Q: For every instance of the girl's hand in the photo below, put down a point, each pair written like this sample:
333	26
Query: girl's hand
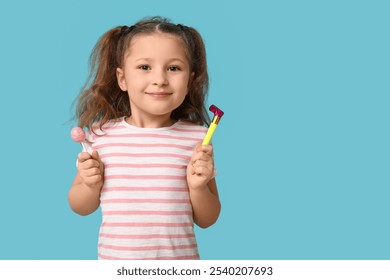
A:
200	169
91	169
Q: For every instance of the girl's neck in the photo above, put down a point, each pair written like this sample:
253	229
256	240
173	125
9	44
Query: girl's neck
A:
150	123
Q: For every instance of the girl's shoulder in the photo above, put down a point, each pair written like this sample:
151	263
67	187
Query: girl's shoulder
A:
106	126
190	125
100	130
187	127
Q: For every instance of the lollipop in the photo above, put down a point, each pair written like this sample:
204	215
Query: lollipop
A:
78	135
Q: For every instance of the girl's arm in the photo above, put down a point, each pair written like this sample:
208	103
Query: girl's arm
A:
84	194
205	204
202	186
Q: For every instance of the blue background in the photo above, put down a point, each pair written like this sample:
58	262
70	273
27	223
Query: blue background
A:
302	151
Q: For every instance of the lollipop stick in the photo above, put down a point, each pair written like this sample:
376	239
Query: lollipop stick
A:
83	144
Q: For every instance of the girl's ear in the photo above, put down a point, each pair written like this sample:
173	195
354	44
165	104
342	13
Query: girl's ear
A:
120	76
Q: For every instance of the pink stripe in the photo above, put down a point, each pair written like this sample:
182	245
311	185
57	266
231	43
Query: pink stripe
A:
194	257
145	177
148	189
146	236
137	145
150	200
152	135
142	213
145	155
170	225
147	248
190	130
136	165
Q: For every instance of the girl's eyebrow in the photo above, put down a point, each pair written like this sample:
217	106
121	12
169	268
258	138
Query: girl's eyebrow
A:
142	58
177	59
169	60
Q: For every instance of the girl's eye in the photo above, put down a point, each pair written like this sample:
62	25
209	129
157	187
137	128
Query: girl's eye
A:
144	67
174	68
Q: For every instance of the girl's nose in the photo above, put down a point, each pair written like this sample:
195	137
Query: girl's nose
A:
160	78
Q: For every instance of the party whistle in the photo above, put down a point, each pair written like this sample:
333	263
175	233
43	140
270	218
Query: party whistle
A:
218	113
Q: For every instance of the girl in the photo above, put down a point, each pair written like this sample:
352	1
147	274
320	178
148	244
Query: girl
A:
145	166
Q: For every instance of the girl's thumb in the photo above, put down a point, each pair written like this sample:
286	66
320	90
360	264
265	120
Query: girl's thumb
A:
95	155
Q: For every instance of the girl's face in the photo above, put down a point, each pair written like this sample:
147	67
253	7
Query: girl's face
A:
155	74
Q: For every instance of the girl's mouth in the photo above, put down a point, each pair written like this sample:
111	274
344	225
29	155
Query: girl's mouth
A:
159	94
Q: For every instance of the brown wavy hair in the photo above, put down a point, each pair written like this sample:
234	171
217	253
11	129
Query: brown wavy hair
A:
101	100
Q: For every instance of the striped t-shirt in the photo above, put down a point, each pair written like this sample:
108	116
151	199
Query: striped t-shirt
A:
146	210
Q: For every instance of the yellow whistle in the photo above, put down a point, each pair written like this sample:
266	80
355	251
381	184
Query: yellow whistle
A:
218	113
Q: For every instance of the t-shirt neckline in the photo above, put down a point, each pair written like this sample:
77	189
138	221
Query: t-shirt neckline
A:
133	127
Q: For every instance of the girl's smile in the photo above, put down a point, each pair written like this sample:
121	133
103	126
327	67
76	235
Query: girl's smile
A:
159	94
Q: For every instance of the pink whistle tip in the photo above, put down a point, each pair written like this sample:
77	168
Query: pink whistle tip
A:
217	112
